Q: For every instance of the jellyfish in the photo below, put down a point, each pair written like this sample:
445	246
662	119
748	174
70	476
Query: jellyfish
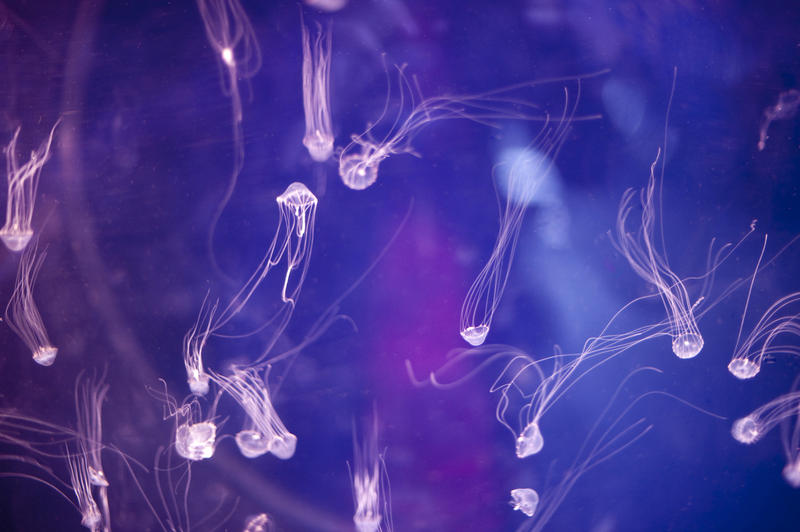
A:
790	438
327	5
80	479
195	434
264	432
23	316
23	183
233	39
785	107
370	483
525	500
318	139
194	341
360	159
762	342
525	176
258	523
752	427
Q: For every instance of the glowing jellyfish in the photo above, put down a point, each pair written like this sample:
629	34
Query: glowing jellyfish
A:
525	500
371	490
360	159
79	475
265	432
23	316
525	176
640	250
785	107
318	139
232	38
762	342
790	438
752	427
194	342
23	181
326	5
258	523
195	434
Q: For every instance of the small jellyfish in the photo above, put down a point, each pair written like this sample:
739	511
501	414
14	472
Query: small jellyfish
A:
530	441
22	314
195	441
23	182
786	107
91	517
360	159
266	432
526	174
525	500
258	523
194	341
370	483
318	139
326	5
763	340
752	427
791	473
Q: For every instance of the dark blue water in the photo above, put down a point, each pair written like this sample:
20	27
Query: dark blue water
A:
143	158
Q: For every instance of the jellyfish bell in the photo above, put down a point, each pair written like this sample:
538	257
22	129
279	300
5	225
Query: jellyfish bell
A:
743	368
45	355
319	147
283	445
15	239
791	473
475	335
687	345
198	384
195	441
530	441
97	477
358	171
300	201
746	430
525	500
252	443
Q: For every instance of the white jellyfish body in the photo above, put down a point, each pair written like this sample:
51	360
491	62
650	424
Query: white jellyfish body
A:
318	138
530	442
785	107
791	473
23	182
752	427
91	517
22	314
370	483
525	500
258	523
195	441
762	341
268	433
194	341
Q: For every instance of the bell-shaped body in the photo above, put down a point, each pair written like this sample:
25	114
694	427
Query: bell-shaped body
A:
252	443
687	345
525	500
791	473
530	441
196	441
476	335
15	239
745	430
357	171
743	368
283	445
45	355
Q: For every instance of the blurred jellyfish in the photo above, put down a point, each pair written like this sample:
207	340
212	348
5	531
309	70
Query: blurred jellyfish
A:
526	174
525	500
22	185
264	432
371	488
640	251
785	107
326	5
233	39
752	427
360	159
193	343
790	438
318	139
80	479
258	523
23	316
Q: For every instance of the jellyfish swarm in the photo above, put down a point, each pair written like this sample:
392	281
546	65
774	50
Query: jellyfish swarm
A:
360	159
318	139
762	340
370	483
525	500
752	427
23	316
785	107
23	182
232	38
265	432
640	251
525	176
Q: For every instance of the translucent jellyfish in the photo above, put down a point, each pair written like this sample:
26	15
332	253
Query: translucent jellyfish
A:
194	341
790	438
265	432
525	176
23	181
360	159
371	489
232	38
763	340
786	107
80	480
258	523
22	314
318	139
752	427
195	433
89	396
326	5
525	500
530	441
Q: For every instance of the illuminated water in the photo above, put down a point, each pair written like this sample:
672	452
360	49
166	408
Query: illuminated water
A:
143	158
